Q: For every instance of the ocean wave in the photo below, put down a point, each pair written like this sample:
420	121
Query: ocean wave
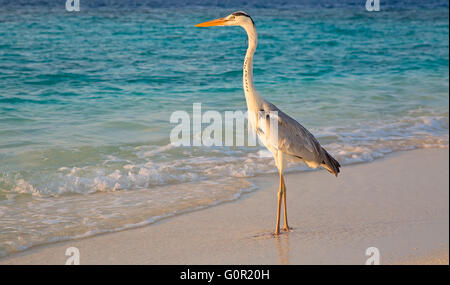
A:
72	217
147	166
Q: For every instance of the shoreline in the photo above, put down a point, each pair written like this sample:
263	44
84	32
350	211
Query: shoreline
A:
399	202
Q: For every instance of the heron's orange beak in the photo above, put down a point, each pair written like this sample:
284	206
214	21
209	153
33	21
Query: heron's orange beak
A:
216	22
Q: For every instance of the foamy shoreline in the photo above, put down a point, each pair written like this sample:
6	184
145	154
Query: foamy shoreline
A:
398	204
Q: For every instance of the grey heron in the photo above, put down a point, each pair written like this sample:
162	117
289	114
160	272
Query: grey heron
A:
293	141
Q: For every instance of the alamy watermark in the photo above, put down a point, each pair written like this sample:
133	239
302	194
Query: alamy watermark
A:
73	5
74	256
223	129
374	256
373	5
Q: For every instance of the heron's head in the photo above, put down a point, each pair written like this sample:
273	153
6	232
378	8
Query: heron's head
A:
235	19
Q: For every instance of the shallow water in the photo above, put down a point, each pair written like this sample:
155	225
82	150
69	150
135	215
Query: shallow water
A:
86	100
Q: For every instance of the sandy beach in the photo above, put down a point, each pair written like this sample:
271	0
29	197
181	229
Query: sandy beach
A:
398	204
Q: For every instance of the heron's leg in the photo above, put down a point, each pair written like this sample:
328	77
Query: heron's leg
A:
280	195
283	185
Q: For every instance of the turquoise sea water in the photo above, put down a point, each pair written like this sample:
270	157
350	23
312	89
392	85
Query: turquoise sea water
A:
86	99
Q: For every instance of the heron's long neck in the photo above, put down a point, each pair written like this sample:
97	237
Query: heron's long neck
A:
251	96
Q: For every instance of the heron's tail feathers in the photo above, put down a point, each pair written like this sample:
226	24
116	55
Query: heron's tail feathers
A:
331	164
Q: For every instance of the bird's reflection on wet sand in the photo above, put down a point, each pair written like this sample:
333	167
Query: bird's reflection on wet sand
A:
282	245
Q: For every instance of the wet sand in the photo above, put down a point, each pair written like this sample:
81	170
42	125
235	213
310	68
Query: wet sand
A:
398	204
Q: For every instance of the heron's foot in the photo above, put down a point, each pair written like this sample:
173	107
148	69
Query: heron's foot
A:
286	228
277	232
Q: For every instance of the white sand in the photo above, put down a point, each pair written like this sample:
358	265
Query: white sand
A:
399	204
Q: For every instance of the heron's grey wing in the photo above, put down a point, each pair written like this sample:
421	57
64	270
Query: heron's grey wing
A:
294	139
